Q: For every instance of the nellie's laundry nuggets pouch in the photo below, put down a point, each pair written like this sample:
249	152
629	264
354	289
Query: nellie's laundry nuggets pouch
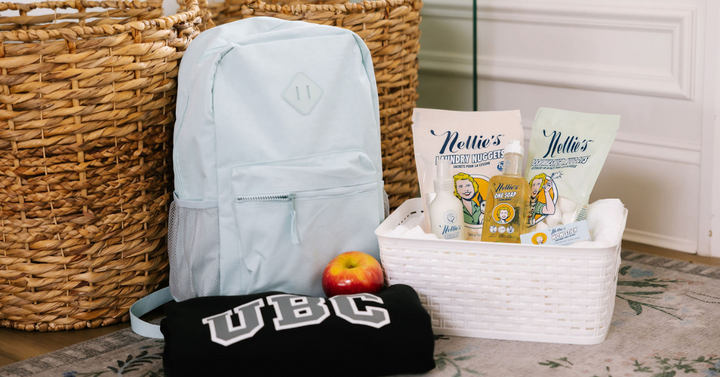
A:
474	143
567	151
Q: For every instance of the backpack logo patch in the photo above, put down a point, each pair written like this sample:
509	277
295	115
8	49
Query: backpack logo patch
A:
302	93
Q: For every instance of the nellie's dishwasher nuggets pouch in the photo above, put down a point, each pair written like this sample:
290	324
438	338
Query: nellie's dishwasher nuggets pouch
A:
474	143
567	152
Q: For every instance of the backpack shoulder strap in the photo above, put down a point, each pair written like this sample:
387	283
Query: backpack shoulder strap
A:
144	306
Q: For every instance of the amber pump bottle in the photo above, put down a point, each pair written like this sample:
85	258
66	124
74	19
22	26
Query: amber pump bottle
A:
507	200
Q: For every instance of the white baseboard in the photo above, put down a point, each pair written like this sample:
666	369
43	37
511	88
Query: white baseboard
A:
658	240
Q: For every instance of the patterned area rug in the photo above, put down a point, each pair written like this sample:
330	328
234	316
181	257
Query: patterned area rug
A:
666	323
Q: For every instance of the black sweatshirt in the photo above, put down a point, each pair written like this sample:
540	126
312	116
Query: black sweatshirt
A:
276	334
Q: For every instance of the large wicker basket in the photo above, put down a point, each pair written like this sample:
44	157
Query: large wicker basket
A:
390	28
86	115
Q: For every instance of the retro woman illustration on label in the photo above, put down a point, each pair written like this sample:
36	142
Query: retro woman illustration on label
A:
503	213
543	197
467	190
539	239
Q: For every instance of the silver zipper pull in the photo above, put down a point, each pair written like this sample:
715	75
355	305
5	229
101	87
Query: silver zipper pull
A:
293	221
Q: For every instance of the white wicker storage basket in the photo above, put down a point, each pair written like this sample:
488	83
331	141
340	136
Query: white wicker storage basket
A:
556	294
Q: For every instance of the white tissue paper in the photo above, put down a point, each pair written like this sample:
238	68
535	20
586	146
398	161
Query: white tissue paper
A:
605	221
601	208
402	231
584	244
415	232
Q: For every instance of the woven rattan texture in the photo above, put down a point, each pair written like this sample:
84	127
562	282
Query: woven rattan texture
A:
205	13
86	115
391	30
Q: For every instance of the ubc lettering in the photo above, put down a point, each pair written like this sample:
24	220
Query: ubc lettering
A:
292	312
297	311
222	330
346	308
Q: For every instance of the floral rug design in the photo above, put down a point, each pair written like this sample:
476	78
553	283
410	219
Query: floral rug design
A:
666	323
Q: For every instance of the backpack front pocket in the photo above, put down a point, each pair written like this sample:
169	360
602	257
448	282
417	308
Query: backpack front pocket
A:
312	209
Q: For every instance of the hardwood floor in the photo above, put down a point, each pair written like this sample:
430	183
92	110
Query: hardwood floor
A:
18	345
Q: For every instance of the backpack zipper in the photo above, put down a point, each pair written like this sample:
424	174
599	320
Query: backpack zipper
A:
291	198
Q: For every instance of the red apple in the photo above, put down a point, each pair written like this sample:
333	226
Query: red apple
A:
352	272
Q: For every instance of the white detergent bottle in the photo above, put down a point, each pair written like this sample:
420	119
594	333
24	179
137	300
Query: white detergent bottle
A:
446	211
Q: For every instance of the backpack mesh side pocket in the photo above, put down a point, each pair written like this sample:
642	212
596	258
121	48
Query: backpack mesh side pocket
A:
194	251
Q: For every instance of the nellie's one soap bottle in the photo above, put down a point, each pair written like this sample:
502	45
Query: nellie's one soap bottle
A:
446	212
507	200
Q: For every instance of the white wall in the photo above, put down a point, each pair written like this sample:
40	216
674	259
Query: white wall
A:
644	60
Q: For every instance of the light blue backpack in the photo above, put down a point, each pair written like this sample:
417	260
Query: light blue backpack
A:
277	160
